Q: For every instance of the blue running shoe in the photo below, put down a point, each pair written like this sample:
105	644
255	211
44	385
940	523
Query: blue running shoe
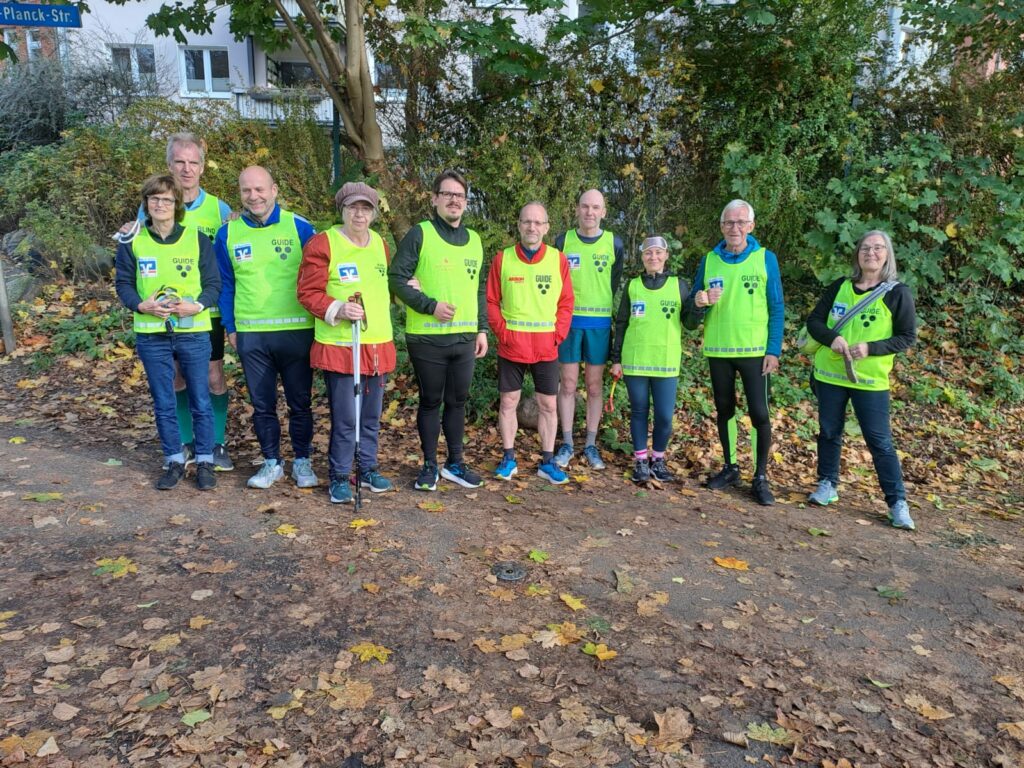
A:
550	472
506	469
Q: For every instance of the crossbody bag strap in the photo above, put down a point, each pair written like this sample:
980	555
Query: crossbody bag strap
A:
880	290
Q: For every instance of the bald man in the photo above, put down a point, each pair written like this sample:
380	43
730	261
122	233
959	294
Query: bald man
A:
595	259
259	255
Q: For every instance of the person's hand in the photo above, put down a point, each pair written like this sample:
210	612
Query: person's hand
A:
350	310
126	228
444	312
859	351
712	296
413	283
233	340
840	347
185	309
616	371
481	345
770	364
156	308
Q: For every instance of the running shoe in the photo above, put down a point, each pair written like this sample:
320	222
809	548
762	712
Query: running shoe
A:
459	473
729	475
341	492
205	479
270	472
374	481
593	457
660	471
189	452
761	492
221	460
426	480
563	455
899	516
641	471
826	493
550	472
506	469
173	472
302	474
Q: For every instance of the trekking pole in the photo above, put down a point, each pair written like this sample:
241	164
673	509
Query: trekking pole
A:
358	396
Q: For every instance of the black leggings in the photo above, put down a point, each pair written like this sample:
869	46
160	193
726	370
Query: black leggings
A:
757	389
444	375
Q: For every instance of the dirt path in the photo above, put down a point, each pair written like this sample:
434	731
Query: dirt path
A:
857	646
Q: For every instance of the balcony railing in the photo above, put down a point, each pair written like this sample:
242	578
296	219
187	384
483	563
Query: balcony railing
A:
292	8
274	105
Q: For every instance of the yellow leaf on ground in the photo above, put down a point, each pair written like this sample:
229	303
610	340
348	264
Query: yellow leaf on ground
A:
198	622
287	530
354	694
359	523
573	602
165	642
16	440
431	506
599	650
596	85
733	563
118	567
411	581
926	708
1014	729
368	651
674	728
517	713
370	587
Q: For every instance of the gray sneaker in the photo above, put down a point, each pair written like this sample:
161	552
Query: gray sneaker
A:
269	473
825	494
221	460
593	457
563	455
899	516
302	474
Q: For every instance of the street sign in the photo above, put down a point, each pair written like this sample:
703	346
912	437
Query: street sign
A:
26	15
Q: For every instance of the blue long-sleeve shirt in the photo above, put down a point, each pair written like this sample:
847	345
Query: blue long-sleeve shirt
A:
776	303
227	269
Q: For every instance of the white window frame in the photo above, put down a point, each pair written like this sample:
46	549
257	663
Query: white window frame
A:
209	93
11	38
133	60
33	46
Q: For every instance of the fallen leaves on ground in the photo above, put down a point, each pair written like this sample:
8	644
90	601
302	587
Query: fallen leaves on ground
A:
117	567
368	651
732	563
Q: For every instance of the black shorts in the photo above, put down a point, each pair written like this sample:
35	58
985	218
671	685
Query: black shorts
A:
216	339
511	374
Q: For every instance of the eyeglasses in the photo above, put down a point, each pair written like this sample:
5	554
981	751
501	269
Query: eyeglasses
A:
158	201
873	249
735	224
531	223
451	195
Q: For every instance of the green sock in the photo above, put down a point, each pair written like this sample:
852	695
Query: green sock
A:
220	416
731	458
184	416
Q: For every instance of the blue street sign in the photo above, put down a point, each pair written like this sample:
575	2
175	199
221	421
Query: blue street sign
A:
25	15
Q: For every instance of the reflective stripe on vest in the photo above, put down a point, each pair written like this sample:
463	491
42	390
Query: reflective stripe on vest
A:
530	292
653	345
590	268
873	323
449	273
737	325
171	268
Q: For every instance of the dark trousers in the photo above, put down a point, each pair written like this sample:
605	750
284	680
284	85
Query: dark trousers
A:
642	390
265	356
872	411
444	375
757	390
341	395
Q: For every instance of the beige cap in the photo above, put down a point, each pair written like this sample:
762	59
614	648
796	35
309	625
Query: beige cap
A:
354	192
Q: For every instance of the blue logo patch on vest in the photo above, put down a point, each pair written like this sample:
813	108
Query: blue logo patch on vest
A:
573	259
348	273
638	308
243	252
147	267
839	311
717	282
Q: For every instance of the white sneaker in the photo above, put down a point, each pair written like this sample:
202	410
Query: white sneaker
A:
269	473
302	474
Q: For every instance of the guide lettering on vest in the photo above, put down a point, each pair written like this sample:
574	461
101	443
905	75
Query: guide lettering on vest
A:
243	252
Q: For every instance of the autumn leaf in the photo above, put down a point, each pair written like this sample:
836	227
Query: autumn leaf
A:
732	563
43	496
165	642
283	703
674	728
153	701
925	708
890	593
517	713
819	532
511	498
1014	729
535	590
565	633
359	523
370	587
596	85
573	602
354	694
16	440
287	530
198	622
431	506
368	651
196	716
539	556
765	732
880	684
599	650
117	567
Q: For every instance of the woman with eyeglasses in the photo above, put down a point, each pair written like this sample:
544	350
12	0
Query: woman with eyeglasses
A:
167	275
875	313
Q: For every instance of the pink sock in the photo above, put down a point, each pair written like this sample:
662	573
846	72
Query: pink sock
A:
657	454
640	455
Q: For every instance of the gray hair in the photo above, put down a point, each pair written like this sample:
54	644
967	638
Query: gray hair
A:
184	138
534	202
736	204
888	269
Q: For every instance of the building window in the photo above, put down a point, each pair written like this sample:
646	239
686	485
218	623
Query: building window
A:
205	71
11	39
295	74
135	63
33	44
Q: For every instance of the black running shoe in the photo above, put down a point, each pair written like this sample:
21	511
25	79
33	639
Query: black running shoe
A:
641	471
730	475
659	471
761	492
459	473
172	474
426	480
205	479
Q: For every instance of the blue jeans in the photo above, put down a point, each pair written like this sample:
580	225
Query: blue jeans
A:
341	395
872	411
158	351
642	389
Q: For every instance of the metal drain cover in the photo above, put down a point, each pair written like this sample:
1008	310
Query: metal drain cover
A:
508	571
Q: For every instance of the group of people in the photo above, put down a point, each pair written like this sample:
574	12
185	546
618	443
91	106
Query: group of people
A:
289	300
